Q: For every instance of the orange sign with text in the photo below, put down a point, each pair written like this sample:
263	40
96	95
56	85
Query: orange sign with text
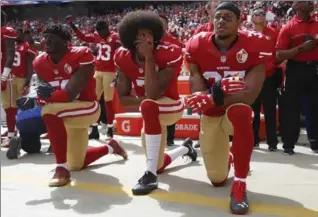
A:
130	124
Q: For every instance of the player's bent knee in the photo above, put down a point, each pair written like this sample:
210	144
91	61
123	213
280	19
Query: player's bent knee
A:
217	178
149	109
240	112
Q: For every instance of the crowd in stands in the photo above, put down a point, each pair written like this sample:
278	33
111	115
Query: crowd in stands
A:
183	18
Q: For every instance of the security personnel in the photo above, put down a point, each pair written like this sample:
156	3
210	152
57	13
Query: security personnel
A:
298	43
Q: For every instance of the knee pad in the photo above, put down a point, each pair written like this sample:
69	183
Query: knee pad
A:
240	113
149	109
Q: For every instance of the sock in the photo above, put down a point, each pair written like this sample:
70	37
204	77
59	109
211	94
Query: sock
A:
152	150
177	152
11	119
94	153
109	113
62	165
57	136
240	180
243	138
152	127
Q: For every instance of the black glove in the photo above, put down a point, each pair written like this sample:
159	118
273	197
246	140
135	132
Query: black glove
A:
45	90
26	103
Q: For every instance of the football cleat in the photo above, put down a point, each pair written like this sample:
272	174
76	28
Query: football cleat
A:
118	149
192	154
238	202
14	148
146	184
61	177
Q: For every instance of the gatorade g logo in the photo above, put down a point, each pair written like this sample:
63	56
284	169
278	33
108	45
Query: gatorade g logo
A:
125	126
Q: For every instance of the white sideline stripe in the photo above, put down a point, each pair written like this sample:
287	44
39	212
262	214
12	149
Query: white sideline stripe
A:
79	112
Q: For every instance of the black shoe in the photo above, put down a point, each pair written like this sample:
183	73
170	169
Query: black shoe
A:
146	184
110	132
192	154
197	145
170	143
14	148
49	150
256	145
272	148
239	203
289	151
94	134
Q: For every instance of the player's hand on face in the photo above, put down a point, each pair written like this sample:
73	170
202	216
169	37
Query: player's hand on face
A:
199	102
144	47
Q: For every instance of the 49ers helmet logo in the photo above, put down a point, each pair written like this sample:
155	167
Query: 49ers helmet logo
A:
241	56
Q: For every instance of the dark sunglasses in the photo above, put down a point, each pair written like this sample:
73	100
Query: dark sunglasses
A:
259	14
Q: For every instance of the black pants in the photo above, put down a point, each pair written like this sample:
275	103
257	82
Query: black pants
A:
102	117
268	98
170	132
301	79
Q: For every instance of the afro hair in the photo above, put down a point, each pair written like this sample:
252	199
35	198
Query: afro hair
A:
59	30
136	20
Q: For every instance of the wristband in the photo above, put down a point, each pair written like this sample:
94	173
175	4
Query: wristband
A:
6	71
58	96
217	94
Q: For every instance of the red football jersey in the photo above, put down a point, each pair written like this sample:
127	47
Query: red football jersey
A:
271	34
249	50
58	75
6	32
170	39
106	48
20	58
165	54
207	27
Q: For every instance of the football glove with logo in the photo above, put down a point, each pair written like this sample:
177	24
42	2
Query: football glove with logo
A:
45	90
199	102
226	86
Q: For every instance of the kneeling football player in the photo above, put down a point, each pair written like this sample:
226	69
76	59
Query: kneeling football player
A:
227	73
67	86
152	68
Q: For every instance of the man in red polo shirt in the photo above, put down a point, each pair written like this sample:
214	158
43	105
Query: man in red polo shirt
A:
298	43
208	27
269	94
